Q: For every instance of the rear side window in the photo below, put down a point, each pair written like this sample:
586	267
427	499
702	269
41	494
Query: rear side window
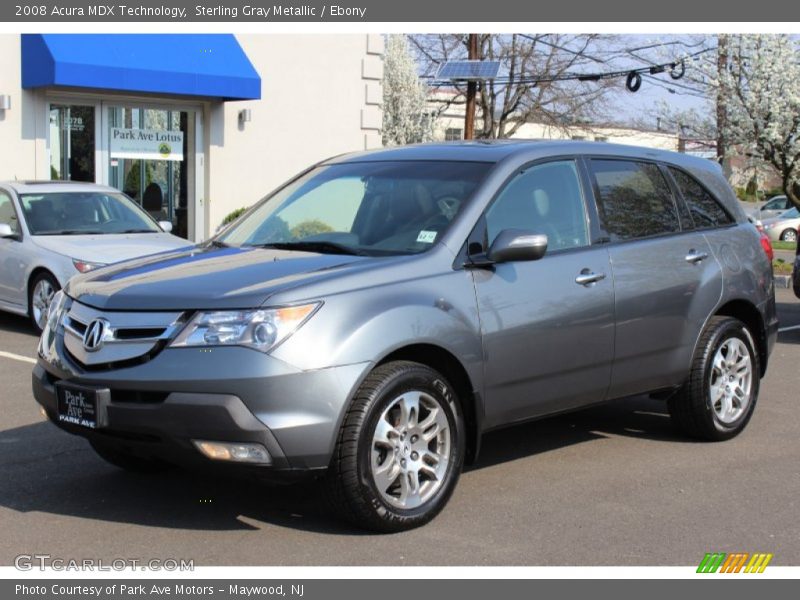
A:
705	210
634	200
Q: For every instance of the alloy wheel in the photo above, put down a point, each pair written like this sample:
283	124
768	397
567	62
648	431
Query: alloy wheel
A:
43	293
731	380
410	450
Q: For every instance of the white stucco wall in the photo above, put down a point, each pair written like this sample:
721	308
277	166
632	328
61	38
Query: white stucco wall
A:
320	96
21	145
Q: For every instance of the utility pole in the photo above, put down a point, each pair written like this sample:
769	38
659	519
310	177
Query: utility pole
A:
472	89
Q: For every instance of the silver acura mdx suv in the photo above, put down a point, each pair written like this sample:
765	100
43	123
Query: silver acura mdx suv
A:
369	320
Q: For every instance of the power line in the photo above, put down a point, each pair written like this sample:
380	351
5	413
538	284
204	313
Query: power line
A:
632	74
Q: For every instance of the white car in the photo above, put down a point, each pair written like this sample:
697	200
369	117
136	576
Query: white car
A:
51	230
784	227
772	208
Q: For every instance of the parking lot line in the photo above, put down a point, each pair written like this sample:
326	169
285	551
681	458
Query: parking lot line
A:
792	328
18	357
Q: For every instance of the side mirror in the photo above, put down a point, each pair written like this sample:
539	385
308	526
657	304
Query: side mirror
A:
517	244
166	226
6	231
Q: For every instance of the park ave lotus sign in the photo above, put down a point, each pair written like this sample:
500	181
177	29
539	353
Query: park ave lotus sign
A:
147	144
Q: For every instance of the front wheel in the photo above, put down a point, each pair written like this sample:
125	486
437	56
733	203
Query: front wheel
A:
790	235
400	449
42	289
719	397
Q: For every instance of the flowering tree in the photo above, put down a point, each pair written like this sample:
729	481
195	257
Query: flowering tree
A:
406	117
762	86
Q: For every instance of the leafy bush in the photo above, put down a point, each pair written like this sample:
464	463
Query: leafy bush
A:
310	227
773	192
233	215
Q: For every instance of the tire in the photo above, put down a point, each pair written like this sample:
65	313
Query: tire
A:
371	480
789	235
125	460
40	293
703	408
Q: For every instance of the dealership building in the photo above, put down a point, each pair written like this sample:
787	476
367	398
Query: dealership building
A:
190	126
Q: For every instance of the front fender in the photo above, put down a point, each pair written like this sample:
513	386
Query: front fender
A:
368	324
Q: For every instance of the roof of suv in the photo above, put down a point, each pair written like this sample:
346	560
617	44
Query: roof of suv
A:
497	150
44	187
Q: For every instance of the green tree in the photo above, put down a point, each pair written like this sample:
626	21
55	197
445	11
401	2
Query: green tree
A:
309	228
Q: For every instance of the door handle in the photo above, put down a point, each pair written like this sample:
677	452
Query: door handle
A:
587	277
695	257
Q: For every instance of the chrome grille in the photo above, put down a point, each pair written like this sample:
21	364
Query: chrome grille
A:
123	336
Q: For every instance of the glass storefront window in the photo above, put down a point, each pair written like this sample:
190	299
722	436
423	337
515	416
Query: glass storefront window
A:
159	186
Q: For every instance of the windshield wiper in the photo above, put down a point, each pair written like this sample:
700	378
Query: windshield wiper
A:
320	246
217	244
71	232
136	231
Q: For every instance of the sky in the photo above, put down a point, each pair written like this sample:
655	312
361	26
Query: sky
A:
625	104
623	52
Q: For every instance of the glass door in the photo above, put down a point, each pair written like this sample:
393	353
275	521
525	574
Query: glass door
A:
149	152
72	142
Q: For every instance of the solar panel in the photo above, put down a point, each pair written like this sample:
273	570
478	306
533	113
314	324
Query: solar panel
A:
466	70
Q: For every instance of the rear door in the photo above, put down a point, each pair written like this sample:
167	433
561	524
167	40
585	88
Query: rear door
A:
547	325
666	279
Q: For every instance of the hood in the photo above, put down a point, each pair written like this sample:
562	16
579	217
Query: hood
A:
205	277
777	220
109	248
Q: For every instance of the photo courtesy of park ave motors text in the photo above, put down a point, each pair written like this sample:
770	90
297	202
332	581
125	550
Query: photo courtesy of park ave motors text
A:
277	299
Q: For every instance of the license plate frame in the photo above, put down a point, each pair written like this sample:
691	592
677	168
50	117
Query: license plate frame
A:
80	405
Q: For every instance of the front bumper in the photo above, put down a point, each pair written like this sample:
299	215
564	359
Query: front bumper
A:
155	409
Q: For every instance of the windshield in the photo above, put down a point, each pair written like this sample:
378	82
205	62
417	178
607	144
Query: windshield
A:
76	213
370	208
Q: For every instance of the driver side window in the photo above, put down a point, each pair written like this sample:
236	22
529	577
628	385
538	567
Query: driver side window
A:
7	213
546	199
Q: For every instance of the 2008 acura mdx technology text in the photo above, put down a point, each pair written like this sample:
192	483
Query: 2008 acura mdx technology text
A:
370	319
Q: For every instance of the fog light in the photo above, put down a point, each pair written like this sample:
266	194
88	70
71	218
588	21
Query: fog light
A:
234	451
43	412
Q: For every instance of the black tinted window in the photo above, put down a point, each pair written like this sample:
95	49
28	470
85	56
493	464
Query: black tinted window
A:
634	199
704	208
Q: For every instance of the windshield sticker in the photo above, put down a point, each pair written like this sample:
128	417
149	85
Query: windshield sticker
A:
426	237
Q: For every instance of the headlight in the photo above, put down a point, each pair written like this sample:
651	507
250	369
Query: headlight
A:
261	329
55	309
84	266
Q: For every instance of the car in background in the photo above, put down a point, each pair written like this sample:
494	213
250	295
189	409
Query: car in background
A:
50	231
784	227
772	207
796	272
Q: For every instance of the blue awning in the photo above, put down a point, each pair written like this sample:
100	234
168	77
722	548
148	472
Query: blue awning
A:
211	66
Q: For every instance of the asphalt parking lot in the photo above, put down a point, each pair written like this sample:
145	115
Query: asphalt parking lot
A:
612	485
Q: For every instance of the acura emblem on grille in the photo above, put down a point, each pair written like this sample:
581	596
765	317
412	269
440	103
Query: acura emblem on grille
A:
96	333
